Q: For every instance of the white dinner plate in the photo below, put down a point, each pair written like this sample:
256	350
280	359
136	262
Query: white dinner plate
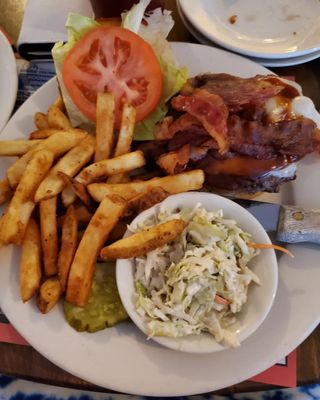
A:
268	28
267	62
8	80
120	358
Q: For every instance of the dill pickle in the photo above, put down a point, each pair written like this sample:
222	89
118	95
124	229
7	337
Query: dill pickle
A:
104	308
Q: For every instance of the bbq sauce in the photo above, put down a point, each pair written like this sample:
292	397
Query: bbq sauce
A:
248	167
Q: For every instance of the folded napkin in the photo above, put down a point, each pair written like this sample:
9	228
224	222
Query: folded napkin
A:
44	24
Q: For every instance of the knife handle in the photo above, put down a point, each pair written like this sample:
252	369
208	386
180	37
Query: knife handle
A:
297	225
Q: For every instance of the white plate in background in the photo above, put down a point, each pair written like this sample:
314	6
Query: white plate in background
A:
120	358
267	29
8	80
267	62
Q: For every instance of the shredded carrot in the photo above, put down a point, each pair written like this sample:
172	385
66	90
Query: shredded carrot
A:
221	300
270	246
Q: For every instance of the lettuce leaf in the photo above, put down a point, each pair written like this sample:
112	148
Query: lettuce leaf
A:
77	26
155	32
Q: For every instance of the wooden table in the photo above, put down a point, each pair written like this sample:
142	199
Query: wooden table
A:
27	363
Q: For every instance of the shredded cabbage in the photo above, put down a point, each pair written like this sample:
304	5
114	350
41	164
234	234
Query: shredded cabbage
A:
199	282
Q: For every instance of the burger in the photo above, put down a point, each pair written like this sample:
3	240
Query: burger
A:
247	134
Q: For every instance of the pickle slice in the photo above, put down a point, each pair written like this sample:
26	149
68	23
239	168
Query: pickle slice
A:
104	308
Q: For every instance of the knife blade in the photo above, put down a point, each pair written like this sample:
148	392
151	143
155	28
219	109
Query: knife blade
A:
289	224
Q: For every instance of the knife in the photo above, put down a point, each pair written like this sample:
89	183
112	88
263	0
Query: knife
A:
289	224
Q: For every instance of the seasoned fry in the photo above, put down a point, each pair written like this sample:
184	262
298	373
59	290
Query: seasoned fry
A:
124	163
49	294
69	241
104	126
145	200
5	191
41	120
43	133
58	144
57	119
59	103
68	196
191	180
141	243
21	206
81	272
69	164
81	192
125	138
49	235
30	262
12	148
79	189
83	216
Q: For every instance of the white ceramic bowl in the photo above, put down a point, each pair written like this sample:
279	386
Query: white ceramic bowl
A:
260	298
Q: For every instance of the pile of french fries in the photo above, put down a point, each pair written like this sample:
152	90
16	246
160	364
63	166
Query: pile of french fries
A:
69	193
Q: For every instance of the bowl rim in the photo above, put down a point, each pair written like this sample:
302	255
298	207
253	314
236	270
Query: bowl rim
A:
124	265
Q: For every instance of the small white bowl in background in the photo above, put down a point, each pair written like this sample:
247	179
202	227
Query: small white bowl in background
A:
260	298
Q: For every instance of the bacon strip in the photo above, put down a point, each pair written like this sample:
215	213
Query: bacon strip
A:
175	162
210	110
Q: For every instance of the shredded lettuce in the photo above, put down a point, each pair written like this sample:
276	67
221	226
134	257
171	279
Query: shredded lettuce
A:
155	30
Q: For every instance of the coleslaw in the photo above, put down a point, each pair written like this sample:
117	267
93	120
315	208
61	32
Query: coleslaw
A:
199	282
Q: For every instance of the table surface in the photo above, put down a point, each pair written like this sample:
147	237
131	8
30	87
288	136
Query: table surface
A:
25	362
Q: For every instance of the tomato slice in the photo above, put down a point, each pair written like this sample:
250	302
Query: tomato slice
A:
113	59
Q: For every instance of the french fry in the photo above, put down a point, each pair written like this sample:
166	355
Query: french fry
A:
69	241
49	295
43	133
83	215
59	103
145	200
191	180
5	191
82	269
21	205
124	163
49	234
69	164
125	138
143	242
68	196
104	126
13	148
30	262
41	120
78	188
57	119
58	144
81	192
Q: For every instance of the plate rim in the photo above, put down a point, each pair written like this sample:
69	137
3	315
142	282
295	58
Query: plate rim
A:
284	348
239	49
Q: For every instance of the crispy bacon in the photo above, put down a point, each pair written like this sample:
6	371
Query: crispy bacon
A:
169	127
210	110
237	93
175	161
